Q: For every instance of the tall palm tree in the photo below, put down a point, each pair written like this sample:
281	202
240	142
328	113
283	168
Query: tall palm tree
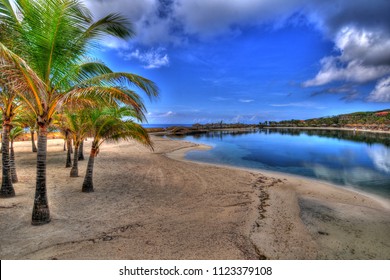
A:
51	69
109	125
14	133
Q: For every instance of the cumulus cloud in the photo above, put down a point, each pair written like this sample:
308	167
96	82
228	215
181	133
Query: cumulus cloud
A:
214	17
381	93
360	29
171	21
166	20
365	56
333	69
153	20
153	58
361	33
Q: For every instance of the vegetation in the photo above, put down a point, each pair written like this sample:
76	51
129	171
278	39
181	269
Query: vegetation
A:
378	120
44	46
15	132
109	124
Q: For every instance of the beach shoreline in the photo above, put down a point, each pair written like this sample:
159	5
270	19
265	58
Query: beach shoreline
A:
180	154
147	205
163	131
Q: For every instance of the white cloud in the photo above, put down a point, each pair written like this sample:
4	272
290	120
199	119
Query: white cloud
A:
332	69
246	100
153	58
359	29
170	21
381	93
160	115
365	56
300	104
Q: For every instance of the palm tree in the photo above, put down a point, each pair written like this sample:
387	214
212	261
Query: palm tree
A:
8	107
81	151
77	125
60	122
15	132
51	69
28	120
109	125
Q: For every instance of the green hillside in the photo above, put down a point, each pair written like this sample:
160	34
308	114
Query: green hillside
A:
362	120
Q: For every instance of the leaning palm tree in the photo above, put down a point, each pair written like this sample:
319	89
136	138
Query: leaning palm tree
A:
14	133
51	68
109	125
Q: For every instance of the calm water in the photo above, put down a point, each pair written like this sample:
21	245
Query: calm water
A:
359	160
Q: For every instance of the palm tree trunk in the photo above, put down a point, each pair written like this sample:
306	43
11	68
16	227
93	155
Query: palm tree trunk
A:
34	147
41	213
88	180
74	172
81	151
69	152
14	176
7	189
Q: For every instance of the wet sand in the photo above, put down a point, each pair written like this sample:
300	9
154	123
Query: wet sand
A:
147	205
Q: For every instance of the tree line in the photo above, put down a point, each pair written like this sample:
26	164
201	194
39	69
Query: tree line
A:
379	120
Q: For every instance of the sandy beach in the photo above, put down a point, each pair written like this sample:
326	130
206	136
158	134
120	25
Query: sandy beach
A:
155	205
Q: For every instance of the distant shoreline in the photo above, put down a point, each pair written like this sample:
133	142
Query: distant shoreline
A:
334	128
178	130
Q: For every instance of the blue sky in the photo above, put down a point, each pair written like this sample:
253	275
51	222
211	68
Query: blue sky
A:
254	60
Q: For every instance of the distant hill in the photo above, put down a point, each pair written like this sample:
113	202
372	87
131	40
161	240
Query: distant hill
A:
377	120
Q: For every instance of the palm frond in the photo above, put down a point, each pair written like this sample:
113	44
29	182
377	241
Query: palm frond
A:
112	24
7	13
20	77
124	79
15	132
110	95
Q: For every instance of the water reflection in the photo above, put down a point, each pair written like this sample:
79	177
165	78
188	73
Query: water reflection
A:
351	135
381	157
357	159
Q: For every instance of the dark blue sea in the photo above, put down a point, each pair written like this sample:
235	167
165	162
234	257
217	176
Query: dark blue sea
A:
355	159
